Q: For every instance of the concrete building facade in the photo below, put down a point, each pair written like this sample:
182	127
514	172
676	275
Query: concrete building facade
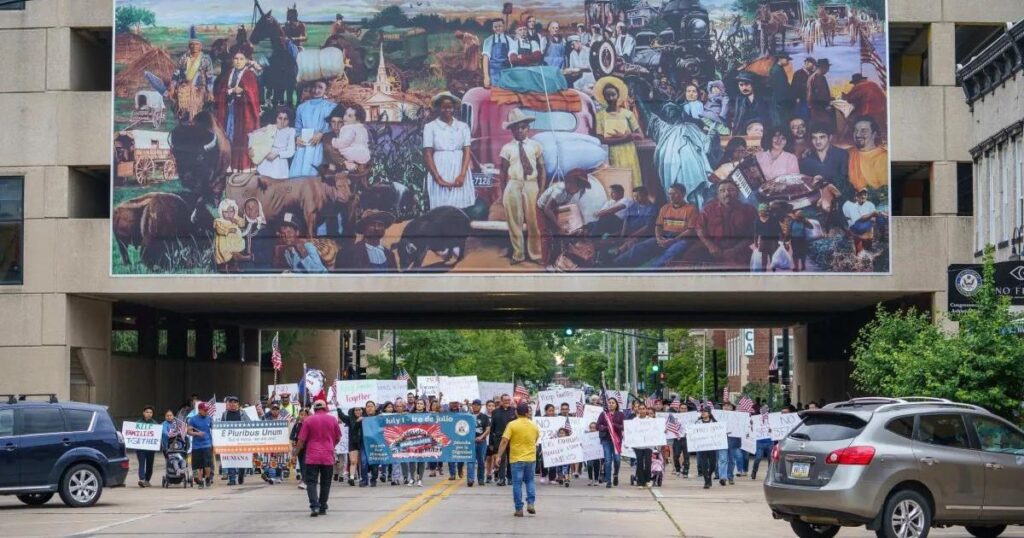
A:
61	304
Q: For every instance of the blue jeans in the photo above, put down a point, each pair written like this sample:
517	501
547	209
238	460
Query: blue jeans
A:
367	472
726	465
649	254
764	450
739	457
611	459
452	466
522	472
477	466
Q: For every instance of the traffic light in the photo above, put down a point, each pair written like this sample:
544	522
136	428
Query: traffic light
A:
360	340
569	331
783	361
773	377
655	368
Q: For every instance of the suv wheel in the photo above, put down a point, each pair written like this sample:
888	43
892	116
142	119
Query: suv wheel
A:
809	530
81	486
986	532
906	515
35	499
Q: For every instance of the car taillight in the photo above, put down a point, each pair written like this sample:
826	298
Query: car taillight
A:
775	452
124	464
854	455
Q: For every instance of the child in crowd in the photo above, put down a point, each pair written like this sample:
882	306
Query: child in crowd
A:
657	467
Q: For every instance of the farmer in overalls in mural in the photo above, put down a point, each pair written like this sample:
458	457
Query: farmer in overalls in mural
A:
495	52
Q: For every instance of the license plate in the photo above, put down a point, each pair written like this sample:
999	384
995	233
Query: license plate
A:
800	470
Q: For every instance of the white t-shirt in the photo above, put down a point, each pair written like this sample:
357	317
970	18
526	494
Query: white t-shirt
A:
854	211
625	203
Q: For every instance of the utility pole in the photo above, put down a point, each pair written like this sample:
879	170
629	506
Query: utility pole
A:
635	384
704	366
618	346
394	352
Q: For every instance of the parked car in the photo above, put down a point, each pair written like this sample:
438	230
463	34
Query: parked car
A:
68	448
898	467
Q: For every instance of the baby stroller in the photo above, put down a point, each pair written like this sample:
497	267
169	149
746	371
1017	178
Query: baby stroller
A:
657	467
177	471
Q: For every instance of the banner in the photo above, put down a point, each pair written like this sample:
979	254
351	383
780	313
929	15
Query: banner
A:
964	281
549	426
459	389
489	390
389	439
592	449
737	422
558	397
141	436
355	393
644	433
249	437
562	451
781	424
391	390
198	143
703	437
236	461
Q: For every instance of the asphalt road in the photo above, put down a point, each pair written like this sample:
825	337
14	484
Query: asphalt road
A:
439	508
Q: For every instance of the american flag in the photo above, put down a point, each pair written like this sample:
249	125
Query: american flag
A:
725	394
869	55
580	408
746	404
675	405
334	391
275	352
672	425
259	409
568	425
519	393
649	402
403	375
211	405
178	429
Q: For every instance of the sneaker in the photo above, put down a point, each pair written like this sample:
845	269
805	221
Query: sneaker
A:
753	476
608	485
150	485
202	485
373	484
313	513
142	484
721	482
542	481
452	477
576	476
469	484
686	476
566	483
518	513
419	483
488	479
322	511
230	483
351	481
531	509
302	485
732	482
615	481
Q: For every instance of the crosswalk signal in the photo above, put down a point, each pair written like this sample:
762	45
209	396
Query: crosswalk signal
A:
569	331
655	368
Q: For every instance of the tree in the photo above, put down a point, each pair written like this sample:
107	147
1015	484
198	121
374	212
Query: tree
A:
131	18
390	16
902	353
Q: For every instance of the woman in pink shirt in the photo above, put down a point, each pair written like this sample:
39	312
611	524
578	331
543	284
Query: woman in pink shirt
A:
320	433
775	161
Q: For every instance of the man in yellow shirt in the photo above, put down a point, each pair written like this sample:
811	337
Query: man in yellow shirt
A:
521	437
869	164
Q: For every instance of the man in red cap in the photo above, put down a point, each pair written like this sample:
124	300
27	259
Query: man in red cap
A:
319	435
200	428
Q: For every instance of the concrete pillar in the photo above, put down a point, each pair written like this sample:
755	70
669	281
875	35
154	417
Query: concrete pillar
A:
798	364
177	339
251	346
233	335
204	341
318	349
942	54
250	388
88	324
943	188
940	311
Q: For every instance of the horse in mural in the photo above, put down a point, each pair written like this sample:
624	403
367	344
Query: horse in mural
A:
278	77
828	26
771	24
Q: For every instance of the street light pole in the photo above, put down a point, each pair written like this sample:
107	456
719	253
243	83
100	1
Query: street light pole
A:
704	366
394	352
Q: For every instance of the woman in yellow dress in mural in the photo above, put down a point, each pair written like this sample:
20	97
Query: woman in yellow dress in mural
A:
617	126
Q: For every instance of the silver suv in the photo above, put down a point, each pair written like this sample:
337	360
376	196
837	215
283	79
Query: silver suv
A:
898	467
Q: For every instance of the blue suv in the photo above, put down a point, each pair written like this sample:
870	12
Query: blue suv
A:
68	448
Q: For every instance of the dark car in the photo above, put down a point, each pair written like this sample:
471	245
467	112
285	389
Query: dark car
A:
49	447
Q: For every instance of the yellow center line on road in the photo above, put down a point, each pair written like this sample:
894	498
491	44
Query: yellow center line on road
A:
399	512
424	508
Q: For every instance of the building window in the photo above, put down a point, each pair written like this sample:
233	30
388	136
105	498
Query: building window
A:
12	229
12	5
908	54
965	189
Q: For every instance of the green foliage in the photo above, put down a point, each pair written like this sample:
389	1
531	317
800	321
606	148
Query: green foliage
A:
391	15
126	342
684	366
491	355
287	340
772	395
903	354
128	18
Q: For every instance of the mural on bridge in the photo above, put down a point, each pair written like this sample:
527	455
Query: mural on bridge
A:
392	136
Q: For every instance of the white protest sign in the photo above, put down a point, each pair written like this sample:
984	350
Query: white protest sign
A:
428	385
781	424
549	426
736	422
460	388
591	413
236	461
592	449
670	432
558	397
702	437
760	425
748	444
342	446
490	390
644	432
562	451
141	436
391	390
282	388
221	407
250	411
627	452
356	392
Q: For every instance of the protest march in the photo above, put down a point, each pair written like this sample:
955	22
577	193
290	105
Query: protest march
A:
375	432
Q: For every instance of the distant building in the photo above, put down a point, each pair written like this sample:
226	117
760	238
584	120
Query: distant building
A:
387	102
639	16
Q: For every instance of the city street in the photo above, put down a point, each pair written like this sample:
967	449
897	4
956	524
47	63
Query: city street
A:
439	508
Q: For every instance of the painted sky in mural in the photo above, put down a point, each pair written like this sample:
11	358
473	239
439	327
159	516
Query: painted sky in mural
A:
532	136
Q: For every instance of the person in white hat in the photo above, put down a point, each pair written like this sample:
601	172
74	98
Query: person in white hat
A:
522	168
